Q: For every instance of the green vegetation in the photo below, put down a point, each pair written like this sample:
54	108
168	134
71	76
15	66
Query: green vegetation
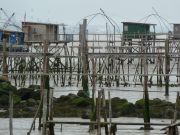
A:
26	101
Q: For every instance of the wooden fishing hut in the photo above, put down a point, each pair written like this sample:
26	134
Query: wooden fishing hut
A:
176	31
138	30
35	31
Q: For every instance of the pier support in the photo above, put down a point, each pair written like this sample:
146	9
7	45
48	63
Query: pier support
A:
11	112
5	66
94	78
5	74
167	67
146	94
84	56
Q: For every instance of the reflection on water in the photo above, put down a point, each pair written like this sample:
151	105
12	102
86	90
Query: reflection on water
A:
22	125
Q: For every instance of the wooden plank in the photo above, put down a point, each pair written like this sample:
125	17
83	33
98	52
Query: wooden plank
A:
117	123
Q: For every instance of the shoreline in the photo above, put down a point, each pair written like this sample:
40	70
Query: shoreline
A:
75	105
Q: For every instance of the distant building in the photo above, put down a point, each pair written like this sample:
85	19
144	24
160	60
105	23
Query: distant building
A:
176	31
14	40
12	37
40	31
137	30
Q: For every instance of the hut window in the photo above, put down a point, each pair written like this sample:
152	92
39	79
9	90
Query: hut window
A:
34	30
125	28
176	28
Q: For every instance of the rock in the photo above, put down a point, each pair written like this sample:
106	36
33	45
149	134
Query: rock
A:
26	93
85	114
158	108
5	87
116	102
16	99
4	100
4	79
142	128
72	96
81	102
31	102
62	99
34	87
127	109
29	109
22	104
25	112
139	104
81	94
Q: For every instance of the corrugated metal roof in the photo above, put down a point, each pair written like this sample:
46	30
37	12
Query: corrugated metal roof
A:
10	31
38	23
138	23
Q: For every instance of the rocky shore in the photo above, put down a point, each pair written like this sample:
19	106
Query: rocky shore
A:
26	101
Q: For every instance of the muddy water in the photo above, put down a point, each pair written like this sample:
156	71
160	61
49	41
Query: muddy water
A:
22	125
131	93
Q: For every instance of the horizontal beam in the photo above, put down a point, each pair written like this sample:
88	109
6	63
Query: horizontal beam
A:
117	123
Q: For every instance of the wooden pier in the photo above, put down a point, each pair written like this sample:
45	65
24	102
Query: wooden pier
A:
90	60
117	63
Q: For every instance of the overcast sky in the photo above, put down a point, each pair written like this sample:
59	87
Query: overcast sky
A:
71	11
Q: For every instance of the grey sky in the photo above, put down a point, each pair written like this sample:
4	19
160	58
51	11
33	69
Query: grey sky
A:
71	11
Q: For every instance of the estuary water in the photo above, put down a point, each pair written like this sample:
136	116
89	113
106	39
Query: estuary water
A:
22	125
131	93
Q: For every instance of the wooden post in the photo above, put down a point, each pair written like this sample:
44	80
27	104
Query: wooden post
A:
66	54
94	83
110	112
146	95
176	107
44	111
45	88
5	66
167	67
40	111
51	125
61	128
84	55
93	116
141	61
178	66
104	111
160	71
173	130
34	120
99	114
79	62
5	73
154	43
11	112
